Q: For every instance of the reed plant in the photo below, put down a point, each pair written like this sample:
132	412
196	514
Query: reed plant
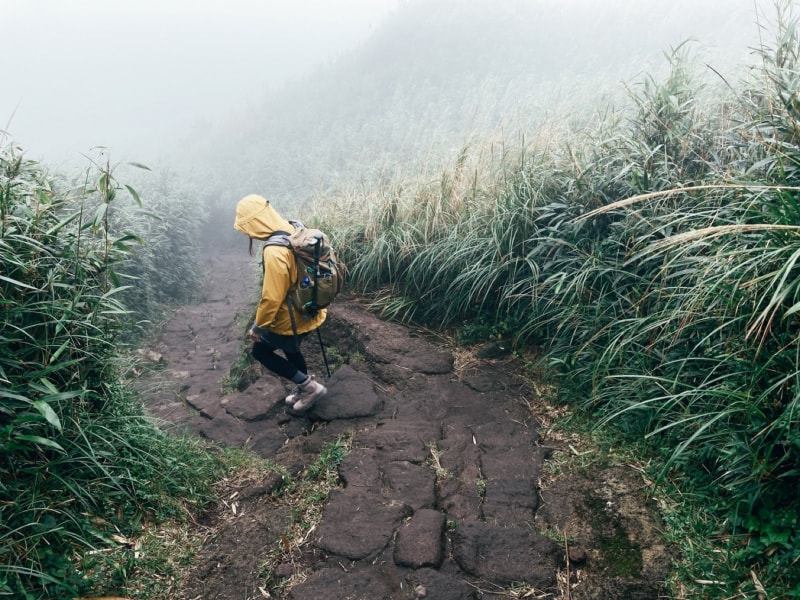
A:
167	270
652	253
81	467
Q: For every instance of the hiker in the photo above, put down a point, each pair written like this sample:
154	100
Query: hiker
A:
275	328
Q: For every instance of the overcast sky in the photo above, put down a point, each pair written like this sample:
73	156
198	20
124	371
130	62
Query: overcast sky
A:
81	73
137	74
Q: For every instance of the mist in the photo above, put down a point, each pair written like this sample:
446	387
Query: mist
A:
151	80
601	193
133	76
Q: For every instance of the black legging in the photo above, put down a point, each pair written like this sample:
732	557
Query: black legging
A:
264	352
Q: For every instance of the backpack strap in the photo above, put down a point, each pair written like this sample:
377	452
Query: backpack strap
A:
276	238
294	325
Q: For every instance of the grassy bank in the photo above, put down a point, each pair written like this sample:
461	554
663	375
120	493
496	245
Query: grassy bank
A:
82	471
650	251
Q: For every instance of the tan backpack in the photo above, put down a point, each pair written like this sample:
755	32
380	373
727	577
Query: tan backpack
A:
320	276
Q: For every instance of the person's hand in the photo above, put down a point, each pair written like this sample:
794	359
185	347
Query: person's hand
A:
253	335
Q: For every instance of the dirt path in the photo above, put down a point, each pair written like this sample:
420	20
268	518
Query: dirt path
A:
449	491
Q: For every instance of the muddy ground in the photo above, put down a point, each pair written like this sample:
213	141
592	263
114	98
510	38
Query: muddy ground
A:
453	487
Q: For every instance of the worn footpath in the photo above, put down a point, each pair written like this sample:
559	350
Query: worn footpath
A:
450	491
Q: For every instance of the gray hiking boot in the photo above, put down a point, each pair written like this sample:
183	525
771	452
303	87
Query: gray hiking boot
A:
309	392
294	396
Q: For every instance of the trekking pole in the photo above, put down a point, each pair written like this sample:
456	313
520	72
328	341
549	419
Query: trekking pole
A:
324	356
317	251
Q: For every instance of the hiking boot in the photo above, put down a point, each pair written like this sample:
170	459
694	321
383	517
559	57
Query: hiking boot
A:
309	392
294	396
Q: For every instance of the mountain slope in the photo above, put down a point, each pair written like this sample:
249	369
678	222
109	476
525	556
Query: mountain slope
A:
439	73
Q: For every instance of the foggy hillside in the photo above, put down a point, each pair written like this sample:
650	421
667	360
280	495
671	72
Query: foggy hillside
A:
439	73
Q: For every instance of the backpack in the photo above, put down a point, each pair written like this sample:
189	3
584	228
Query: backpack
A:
320	277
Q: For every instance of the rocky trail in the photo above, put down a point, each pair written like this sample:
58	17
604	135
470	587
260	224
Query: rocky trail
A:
451	488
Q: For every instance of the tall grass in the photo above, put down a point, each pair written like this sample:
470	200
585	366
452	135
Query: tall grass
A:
167	270
653	254
80	465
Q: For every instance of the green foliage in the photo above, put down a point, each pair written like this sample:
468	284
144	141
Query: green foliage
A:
654	257
80	465
325	469
167	269
433	76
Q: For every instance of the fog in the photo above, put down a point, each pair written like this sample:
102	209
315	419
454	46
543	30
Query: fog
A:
132	74
138	76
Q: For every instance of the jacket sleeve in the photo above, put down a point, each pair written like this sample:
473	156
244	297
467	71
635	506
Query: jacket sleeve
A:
277	282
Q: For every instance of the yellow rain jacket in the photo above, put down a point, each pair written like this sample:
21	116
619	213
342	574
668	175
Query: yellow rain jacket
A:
256	218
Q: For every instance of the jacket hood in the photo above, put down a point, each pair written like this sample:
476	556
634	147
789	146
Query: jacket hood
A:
256	218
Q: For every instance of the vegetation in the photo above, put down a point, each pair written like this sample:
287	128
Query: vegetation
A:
306	496
435	75
648	248
81	468
652	255
166	270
